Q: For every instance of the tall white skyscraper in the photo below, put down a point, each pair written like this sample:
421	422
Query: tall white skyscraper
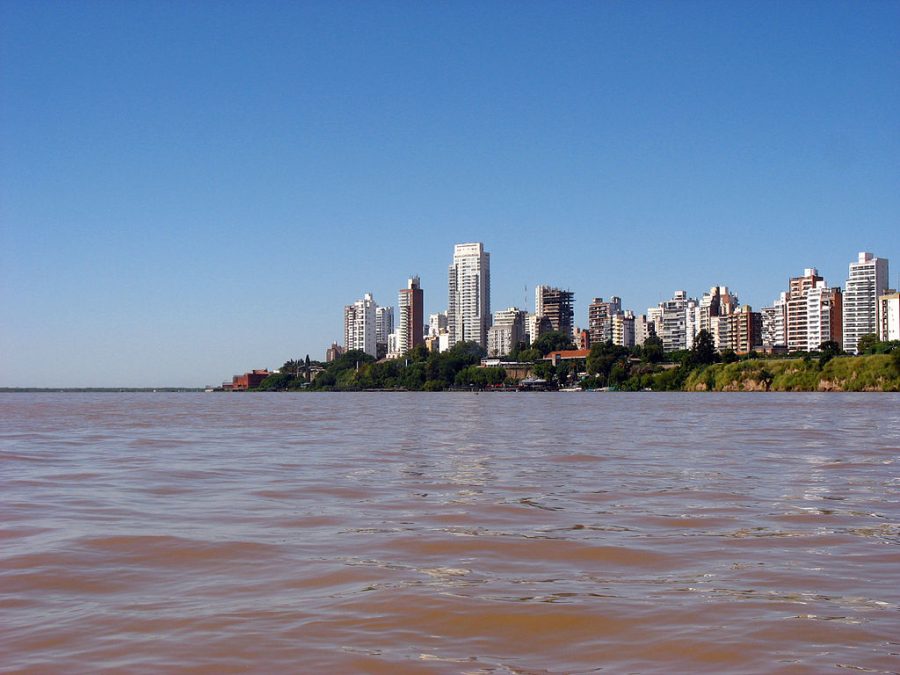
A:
359	325
868	280
469	309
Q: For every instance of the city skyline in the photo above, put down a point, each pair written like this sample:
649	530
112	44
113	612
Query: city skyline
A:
808	313
188	191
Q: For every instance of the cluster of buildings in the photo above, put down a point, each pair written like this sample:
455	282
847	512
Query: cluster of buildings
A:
808	313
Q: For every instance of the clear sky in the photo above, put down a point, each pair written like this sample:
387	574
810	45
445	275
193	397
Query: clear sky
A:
189	190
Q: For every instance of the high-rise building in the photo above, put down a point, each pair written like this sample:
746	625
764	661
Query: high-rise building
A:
507	331
744	330
712	312
823	311
643	328
678	322
889	316
334	352
469	310
412	326
600	315
384	326
812	312
867	281
557	306
691	323
535	326
774	324
622	328
655	321
797	319
359	326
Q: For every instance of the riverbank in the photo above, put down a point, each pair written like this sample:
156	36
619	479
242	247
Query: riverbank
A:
875	372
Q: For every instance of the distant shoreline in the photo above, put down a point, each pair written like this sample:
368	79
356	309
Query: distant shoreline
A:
97	390
184	390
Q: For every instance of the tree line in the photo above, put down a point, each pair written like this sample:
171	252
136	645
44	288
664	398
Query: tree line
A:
607	365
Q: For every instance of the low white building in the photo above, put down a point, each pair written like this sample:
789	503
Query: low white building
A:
393	345
507	331
443	341
437	323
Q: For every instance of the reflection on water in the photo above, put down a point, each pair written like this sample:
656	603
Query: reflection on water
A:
450	533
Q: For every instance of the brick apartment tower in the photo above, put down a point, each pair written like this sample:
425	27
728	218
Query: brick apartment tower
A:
412	316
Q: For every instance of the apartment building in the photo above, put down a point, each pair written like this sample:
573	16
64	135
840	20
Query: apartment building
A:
867	281
359	325
469	308
557	305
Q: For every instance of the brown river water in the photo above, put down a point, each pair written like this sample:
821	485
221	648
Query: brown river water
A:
449	533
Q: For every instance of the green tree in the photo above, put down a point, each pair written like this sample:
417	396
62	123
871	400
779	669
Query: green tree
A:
468	350
292	367
867	344
478	377
827	351
341	373
413	377
520	347
602	358
529	355
553	341
544	370
891	346
417	353
618	373
652	350
704	350
275	382
728	356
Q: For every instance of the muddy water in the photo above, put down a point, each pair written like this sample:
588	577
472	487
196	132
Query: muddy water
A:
449	533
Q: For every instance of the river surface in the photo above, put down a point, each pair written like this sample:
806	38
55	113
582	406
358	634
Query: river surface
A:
449	533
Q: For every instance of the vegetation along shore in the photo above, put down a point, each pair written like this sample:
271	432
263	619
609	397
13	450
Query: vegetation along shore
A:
545	366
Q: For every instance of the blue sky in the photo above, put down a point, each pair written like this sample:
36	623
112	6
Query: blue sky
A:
191	190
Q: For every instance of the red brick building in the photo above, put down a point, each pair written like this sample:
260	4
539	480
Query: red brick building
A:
249	380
